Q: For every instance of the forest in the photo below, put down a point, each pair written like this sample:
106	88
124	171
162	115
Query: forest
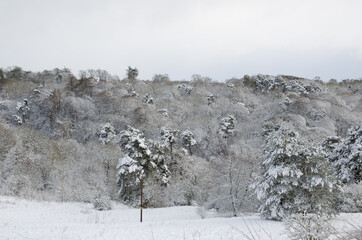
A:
278	145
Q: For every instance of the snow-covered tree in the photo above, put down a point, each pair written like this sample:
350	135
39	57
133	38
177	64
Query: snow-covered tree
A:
188	140
227	126
136	163
347	156
294	177
132	73
229	191
106	133
185	89
158	157
210	99
147	99
24	110
169	138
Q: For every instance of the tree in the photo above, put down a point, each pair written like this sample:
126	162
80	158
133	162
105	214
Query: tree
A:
169	138
24	110
231	179
188	140
210	99
142	160
106	134
294	177
132	73
227	126
347	156
136	163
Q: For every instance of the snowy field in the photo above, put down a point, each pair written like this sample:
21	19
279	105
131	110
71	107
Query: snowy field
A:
30	220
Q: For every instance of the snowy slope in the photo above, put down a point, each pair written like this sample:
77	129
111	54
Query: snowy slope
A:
30	220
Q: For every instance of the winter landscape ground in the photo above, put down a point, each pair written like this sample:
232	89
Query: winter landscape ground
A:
29	220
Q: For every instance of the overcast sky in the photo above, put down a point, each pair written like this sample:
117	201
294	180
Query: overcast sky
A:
220	39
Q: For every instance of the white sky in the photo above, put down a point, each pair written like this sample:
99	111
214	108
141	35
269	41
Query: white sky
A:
216	38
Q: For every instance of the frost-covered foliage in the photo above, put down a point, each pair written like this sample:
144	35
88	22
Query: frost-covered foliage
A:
266	83
102	203
158	157
163	112
230	85
351	199
106	134
185	89
147	99
188	140
229	191
294	177
138	163
287	101
308	227
24	110
210	99
169	137
330	144
132	73
227	126
347	156
130	90
135	164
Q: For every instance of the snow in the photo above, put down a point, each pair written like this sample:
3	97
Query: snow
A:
28	220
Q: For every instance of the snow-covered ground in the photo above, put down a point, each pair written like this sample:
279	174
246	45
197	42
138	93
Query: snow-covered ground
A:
30	220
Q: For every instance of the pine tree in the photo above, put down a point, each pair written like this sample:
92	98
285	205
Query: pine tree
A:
294	177
136	163
347	156
227	126
188	140
106	134
169	138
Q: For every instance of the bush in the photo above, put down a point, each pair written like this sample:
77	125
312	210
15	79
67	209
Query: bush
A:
308	227
351	199
102	203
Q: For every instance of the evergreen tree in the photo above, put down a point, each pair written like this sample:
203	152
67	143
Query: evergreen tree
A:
227	126
136	163
294	177
169	138
347	156
106	134
188	140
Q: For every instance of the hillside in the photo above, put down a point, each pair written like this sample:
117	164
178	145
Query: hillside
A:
51	123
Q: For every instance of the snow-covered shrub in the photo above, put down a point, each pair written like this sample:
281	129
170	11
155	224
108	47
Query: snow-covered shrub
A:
230	85
147	99
287	101
163	112
161	78
185	89
350	200
294	177
347	156
308	227
227	126
24	110
102	203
